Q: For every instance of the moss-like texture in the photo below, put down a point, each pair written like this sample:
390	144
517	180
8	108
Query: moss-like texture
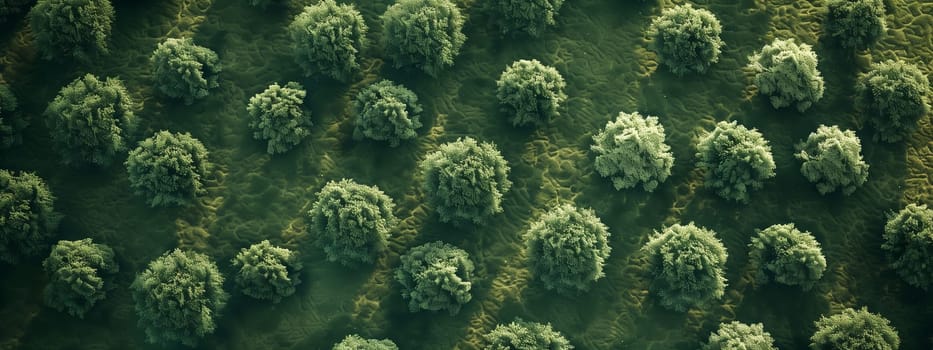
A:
631	150
386	111
854	330
79	275
263	4
276	117
426	34
66	29
737	160
530	17
168	169
736	335
686	39
465	181
786	72
687	266
355	342
530	92
894	95
567	248
523	335
27	215
787	255
908	243
436	276
352	221
12	122
832	159
264	271
856	24
11	9
328	38
184	70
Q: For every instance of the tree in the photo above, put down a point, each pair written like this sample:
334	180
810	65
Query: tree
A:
465	181
894	94
522	335
631	150
736	335
736	160
12	122
856	24
436	276
327	39
91	119
787	255
184	70
686	39
75	270
908	244
355	342
426	34
264	271
567	248
71	28
688	264
27	215
531	17
854	330
352	221
168	168
832	159
178	297
386	111
787	73
276	116
530	92
10	9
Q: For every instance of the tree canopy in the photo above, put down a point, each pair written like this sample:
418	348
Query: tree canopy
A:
328	38
386	111
277	118
856	24
786	72
524	335
908	244
465	181
530	92
530	17
168	168
67	29
854	330
832	159
184	70
78	275
27	215
787	255
567	248
736	335
436	276
352	221
736	160
12	122
686	38
426	34
894	95
631	150
687	264
265	271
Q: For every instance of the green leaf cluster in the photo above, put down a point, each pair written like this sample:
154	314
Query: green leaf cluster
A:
168	168
426	34
184	70
530	92
386	111
352	221
436	276
786	71
465	181
908	244
276	117
832	159
27	215
894	93
736	160
355	342
567	248
264	271
687	263
531	17
787	255
523	335
854	330
327	39
67	29
856	24
631	150
736	335
12	122
75	270
686	39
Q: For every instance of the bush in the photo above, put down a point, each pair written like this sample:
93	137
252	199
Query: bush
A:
530	92
352	221
854	330
436	276
27	216
787	255
71	28
736	160
184	70
276	116
327	39
908	243
855	24
386	111
426	34
787	73
531	17
355	342
264	271
631	150
465	181
832	159
12	122
688	264
521	335
168	168
894	94
686	39
178	297
736	335
91	119
75	281
567	248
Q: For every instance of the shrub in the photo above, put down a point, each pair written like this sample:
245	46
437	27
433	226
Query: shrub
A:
71	28
631	151
276	116
787	255
465	181
567	248
522	335
12	122
352	221
854	330
327	39
688	264
426	34
386	111
894	94
355	342
787	73
91	119
736	335
75	281
531	17
264	271
855	24
436	276
178	297
168	168
736	160
27	215
686	39
530	92
184	70
832	159
908	243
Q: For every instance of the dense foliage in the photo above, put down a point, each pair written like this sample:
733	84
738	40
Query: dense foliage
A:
10	9
77	272
631	150
466	180
736	335
168	168
436	276
12	122
67	29
687	265
264	271
736	160
787	255
908	243
786	72
854	330
855	24
355	342
386	111
832	159
522	335
184	70
276	117
426	34
530	92
178	297
352	221
327	39
531	17
567	248
265	3
686	39
894	94
27	215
